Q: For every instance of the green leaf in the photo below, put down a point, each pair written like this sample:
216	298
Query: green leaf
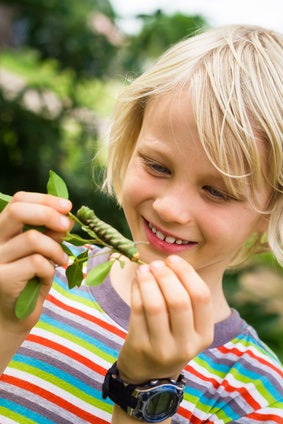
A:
67	250
27	299
122	263
74	274
75	239
83	256
4	200
57	186
97	275
94	239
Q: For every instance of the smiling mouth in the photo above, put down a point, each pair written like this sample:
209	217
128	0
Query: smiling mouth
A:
166	238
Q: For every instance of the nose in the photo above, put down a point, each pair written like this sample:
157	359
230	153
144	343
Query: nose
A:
174	207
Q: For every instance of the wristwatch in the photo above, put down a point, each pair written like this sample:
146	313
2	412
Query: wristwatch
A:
151	402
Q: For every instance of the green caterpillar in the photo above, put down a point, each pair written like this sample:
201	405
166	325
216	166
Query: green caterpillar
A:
107	234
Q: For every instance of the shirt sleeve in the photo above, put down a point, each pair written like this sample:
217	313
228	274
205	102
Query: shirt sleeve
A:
272	414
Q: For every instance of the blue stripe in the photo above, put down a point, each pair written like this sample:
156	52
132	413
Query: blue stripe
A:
75	291
252	375
259	345
213	406
81	292
79	334
15	407
257	378
214	365
58	373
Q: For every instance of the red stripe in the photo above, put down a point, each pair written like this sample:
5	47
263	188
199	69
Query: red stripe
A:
189	415
86	316
56	400
243	393
237	352
262	418
213	381
228	387
184	412
253	416
68	352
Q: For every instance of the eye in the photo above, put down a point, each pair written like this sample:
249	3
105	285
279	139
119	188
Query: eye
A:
217	194
155	167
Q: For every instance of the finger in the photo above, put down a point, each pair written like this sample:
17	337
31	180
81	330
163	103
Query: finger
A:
199	293
154	305
18	214
30	242
137	325
58	203
57	236
177	299
27	268
137	340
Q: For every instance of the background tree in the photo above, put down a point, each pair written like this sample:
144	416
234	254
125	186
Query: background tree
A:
158	32
60	64
67	31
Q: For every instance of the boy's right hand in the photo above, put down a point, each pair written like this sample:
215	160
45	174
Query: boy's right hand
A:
25	254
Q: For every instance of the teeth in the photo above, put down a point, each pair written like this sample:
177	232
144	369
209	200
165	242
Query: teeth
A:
168	239
160	235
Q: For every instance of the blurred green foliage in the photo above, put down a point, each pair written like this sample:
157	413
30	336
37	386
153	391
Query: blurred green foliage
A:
60	70
63	30
258	310
159	31
61	66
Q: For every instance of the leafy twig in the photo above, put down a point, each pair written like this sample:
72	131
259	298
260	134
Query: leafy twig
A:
27	299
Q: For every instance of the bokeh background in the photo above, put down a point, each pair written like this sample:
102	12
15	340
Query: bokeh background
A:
62	65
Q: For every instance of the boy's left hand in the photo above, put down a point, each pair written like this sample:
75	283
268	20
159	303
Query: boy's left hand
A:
171	321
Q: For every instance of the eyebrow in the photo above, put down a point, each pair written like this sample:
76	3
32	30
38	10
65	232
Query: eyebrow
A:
157	147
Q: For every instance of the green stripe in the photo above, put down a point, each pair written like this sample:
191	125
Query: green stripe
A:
207	408
18	418
258	384
263	350
208	367
67	293
77	340
62	384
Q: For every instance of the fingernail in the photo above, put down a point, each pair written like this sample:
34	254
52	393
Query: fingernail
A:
158	264
64	221
143	269
65	203
65	258
174	259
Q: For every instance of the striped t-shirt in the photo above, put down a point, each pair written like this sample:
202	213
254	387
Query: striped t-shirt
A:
57	373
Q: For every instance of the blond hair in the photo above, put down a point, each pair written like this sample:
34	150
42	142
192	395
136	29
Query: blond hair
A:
234	77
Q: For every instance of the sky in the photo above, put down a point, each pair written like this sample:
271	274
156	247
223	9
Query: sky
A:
268	13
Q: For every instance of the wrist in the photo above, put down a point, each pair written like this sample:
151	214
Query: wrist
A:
139	375
10	341
150	401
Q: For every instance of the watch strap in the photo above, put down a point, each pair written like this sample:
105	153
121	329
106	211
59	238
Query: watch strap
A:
117	390
121	392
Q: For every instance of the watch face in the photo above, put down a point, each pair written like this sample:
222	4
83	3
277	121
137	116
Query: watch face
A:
159	403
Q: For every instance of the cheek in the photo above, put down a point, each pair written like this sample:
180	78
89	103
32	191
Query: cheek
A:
137	185
234	228
133	191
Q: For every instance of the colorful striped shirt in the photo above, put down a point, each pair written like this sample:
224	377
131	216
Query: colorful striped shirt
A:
57	373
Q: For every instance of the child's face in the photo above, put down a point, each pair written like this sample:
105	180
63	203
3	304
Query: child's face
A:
171	186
